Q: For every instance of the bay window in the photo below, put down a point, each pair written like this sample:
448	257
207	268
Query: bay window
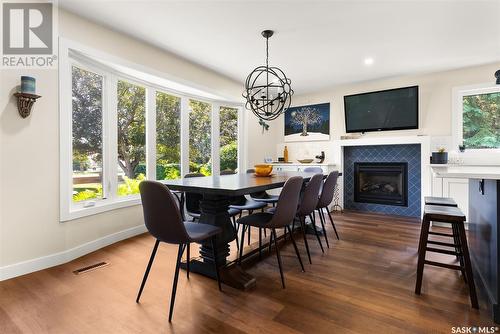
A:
120	126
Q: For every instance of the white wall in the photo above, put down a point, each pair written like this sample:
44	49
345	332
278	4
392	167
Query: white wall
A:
29	169
435	107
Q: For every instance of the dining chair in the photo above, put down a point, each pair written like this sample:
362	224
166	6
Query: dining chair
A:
164	222
316	170
242	203
263	196
307	204
325	199
285	212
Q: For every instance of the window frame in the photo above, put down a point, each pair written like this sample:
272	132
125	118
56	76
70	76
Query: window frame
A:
90	60
458	93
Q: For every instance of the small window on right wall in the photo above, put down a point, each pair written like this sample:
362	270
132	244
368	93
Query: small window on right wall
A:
479	120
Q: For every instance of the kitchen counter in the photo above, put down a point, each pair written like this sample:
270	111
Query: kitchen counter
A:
467	172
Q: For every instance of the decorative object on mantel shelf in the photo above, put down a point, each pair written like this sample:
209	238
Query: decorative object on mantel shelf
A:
265	126
305	161
440	157
27	97
353	136
321	157
267	89
497	75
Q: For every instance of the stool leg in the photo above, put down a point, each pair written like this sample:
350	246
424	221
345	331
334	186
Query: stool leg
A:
458	249
468	267
422	245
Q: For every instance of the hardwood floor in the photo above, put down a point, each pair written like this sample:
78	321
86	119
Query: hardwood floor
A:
363	284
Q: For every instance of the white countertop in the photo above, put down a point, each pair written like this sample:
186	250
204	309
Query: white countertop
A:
467	172
301	164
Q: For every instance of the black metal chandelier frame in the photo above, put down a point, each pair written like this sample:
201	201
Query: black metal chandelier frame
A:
260	98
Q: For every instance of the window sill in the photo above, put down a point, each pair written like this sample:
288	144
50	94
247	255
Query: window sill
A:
100	207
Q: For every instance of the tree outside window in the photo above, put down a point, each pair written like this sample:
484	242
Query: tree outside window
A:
200	137
228	138
168	136
481	121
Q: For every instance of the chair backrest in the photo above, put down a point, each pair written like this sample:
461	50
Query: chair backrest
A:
193	199
328	190
310	195
286	208
317	170
161	214
250	170
227	172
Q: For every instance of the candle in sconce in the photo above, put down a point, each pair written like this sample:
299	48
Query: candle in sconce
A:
28	85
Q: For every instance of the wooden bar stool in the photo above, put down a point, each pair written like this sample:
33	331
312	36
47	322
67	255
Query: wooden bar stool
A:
445	201
454	216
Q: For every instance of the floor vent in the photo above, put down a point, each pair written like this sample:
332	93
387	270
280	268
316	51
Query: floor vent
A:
90	268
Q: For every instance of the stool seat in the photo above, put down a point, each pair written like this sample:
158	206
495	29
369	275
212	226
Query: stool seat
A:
447	214
444	201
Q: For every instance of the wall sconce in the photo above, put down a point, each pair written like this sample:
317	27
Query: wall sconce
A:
27	97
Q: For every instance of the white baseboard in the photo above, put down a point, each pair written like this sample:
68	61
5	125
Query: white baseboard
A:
26	267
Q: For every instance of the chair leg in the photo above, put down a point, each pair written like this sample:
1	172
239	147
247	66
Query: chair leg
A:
236	229
242	241
174	287
322	220
313	222
295	247
214	250
188	258
303	228
279	258
270	242
260	243
333	224
265	233
148	268
468	266
248	229
422	245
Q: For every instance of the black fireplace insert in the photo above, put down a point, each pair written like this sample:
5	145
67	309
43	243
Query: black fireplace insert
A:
381	183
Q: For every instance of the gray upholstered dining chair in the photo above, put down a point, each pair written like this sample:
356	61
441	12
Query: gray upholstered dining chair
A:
285	212
317	170
263	196
325	199
308	202
164	222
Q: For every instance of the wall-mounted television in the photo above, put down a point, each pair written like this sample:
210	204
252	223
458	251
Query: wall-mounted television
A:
391	109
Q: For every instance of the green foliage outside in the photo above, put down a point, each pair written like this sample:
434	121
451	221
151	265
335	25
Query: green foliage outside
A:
481	121
87	90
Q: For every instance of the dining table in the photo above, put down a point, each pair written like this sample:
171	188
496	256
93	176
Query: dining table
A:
217	191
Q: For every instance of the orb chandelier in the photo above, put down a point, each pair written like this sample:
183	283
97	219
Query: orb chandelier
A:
267	89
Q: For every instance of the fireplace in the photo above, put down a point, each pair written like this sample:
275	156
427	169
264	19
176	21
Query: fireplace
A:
381	183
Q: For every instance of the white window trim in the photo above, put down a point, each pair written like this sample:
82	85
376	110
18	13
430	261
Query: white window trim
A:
70	210
457	115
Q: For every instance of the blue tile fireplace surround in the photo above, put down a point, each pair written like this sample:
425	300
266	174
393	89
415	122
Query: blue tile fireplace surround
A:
409	153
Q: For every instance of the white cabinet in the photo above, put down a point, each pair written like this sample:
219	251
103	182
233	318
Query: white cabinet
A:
458	189
293	167
455	188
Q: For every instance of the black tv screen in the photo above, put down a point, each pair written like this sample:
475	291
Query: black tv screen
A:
392	109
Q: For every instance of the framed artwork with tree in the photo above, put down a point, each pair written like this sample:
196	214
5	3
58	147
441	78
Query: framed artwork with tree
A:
308	123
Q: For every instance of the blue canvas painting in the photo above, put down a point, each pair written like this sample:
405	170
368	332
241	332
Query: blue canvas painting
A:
308	123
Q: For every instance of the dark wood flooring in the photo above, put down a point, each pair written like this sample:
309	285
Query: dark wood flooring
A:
363	284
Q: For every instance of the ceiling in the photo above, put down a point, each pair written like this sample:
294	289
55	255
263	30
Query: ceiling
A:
318	44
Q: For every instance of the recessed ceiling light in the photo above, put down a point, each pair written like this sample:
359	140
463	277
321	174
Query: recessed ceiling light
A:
368	61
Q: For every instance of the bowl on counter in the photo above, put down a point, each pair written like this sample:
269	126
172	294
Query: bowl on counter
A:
305	161
263	170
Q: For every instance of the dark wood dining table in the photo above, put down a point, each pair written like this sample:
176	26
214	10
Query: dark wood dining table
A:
217	192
